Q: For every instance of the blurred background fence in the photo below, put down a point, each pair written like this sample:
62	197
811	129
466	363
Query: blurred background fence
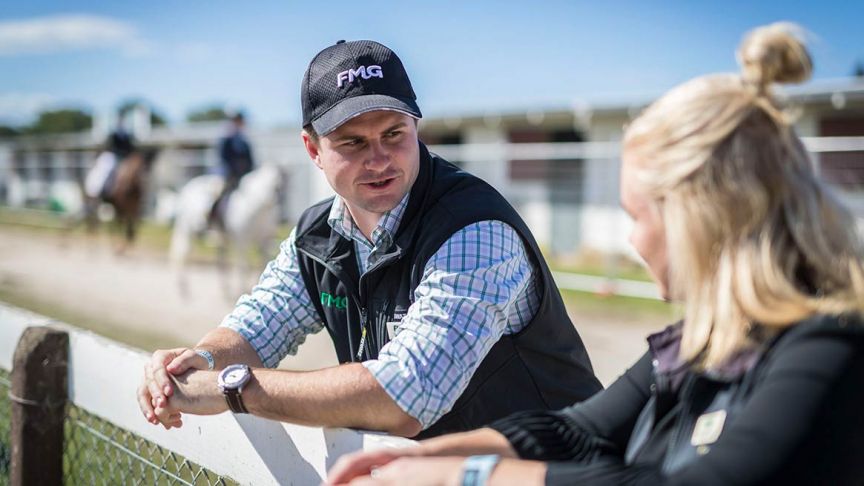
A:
558	167
566	191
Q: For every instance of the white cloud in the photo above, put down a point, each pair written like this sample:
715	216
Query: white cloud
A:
64	33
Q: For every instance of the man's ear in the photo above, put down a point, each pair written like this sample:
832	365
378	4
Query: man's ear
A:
311	147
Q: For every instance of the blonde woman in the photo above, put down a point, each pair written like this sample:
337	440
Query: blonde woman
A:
761	382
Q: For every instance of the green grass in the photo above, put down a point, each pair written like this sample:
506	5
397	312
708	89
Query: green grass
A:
613	306
592	263
42	221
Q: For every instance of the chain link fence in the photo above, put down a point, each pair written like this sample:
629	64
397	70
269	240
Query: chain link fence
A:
97	452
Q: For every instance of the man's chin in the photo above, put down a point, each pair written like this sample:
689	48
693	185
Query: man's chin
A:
375	203
381	204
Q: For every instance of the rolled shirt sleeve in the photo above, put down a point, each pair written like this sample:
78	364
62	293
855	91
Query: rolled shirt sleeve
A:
478	286
277	315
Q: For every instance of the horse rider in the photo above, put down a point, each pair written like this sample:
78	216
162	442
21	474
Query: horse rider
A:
100	179
235	155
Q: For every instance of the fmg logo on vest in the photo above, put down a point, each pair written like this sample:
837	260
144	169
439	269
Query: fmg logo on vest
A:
361	72
335	301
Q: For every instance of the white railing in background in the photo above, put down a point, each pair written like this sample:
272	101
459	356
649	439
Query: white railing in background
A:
569	198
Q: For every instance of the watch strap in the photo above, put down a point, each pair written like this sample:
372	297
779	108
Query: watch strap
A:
235	401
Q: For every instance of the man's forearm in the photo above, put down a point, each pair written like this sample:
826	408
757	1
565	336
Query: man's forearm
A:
229	347
341	396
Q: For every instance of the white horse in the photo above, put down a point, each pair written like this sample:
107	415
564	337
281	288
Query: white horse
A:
251	218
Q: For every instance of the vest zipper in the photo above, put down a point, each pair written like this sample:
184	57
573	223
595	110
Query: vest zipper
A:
363	326
358	294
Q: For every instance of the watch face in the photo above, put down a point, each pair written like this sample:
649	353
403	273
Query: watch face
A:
234	376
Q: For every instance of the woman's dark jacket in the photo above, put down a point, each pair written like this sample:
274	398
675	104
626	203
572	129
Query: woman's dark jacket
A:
790	412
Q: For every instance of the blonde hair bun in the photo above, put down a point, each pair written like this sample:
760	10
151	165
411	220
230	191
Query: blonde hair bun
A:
775	53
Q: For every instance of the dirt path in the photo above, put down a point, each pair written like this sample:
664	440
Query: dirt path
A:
135	299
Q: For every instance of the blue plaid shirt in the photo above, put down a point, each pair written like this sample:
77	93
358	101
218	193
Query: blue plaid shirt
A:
478	286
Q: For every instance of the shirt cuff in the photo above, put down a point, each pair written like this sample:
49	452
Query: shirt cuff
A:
240	328
404	389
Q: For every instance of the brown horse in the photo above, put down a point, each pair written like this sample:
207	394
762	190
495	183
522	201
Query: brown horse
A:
126	195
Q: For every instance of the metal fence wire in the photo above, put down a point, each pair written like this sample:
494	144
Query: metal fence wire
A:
97	452
5	426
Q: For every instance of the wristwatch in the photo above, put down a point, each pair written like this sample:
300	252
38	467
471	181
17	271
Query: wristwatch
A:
231	381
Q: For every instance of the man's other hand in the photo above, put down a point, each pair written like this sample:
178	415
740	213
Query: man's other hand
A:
157	385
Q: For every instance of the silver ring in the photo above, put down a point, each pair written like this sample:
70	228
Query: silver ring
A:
374	473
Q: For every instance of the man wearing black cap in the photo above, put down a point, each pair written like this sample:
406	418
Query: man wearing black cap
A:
442	310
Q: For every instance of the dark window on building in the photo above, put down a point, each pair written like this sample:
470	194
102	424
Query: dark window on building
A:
19	164
450	138
194	161
46	166
558	171
81	161
845	169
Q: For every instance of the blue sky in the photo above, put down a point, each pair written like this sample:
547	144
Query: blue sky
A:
463	57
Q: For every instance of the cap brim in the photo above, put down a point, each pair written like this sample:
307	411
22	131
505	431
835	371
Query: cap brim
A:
358	105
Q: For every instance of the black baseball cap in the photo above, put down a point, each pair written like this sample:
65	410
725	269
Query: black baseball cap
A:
351	78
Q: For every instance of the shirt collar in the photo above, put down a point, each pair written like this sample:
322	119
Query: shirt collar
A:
665	347
341	221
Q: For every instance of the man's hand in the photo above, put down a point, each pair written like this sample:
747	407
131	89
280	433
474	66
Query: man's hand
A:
157	385
195	392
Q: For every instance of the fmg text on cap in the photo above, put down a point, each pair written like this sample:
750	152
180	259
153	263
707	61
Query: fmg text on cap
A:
351	78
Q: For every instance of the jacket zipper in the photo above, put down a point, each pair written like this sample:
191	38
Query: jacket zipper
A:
684	425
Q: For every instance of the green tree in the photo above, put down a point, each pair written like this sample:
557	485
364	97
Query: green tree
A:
60	121
7	131
207	114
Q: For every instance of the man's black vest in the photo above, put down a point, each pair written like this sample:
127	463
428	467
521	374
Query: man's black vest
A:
544	366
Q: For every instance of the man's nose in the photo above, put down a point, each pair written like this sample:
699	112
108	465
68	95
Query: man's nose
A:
378	157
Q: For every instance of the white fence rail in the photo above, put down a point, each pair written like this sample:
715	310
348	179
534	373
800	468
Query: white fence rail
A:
103	376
